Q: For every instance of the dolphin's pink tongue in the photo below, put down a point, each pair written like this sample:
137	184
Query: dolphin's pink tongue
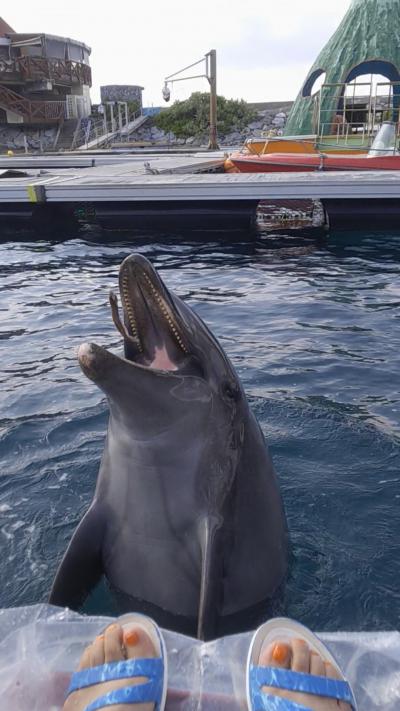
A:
162	361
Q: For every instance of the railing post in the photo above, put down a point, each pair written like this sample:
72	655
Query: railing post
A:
105	117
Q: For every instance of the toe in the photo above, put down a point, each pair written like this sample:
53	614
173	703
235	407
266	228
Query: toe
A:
277	654
331	672
317	666
113	644
85	659
300	656
137	642
97	651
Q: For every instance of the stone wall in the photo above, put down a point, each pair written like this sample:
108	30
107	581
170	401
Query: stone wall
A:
12	138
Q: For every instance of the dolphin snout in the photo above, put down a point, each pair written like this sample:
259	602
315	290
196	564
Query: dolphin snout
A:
85	353
91	359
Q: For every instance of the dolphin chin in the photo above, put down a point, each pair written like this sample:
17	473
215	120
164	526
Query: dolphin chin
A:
187	517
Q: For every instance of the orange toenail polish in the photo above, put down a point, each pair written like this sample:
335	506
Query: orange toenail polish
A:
100	636
131	637
280	653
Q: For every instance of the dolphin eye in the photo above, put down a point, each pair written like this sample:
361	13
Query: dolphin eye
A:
230	390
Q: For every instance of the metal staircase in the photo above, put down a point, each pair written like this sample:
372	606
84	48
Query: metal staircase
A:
99	133
132	126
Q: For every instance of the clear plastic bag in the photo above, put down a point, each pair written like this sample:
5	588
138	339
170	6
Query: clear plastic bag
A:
41	645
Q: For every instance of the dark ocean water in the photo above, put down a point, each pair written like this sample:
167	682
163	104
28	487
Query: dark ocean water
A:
313	328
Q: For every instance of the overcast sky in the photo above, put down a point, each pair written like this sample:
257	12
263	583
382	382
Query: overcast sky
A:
264	47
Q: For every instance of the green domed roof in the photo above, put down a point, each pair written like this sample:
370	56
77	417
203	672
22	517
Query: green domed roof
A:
367	41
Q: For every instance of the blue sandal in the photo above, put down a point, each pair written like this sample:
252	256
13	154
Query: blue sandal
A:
153	690
283	630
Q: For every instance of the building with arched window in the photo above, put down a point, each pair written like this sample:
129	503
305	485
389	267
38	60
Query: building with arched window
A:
366	43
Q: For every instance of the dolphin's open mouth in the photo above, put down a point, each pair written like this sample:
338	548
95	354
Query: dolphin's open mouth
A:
153	332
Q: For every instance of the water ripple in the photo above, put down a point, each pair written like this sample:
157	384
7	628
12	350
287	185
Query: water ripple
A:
313	330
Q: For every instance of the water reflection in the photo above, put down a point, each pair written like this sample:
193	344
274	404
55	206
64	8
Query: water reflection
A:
312	326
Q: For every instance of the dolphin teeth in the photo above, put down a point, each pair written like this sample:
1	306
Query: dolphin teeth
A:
166	314
130	311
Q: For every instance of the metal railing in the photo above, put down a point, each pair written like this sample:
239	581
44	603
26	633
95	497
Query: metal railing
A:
353	119
124	132
102	129
90	129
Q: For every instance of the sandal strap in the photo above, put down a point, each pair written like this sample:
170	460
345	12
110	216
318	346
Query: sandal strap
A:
153	669
140	693
298	681
266	702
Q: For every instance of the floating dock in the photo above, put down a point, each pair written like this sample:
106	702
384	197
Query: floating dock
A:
150	188
189	162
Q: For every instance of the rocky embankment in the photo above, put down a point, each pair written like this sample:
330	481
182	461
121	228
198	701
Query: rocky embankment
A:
271	117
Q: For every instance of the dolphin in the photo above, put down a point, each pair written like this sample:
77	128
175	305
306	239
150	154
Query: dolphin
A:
187	521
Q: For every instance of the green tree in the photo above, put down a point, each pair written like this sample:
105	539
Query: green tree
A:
191	117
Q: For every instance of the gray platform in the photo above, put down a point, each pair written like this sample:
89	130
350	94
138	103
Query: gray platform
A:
59	161
127	182
187	189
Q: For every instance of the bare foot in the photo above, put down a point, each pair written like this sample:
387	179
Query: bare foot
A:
297	656
115	645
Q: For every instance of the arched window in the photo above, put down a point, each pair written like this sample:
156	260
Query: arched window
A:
374	66
372	79
314	82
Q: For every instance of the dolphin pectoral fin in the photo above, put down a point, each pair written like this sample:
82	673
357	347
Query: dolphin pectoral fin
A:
81	566
211	578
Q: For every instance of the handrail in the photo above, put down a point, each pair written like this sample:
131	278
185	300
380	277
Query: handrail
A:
102	129
53	69
76	134
92	130
335	106
31	110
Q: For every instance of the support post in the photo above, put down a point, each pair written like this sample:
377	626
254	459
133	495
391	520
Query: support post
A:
213	143
111	105
104	118
211	75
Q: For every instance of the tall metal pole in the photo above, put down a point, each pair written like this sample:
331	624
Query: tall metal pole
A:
212	56
211	75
